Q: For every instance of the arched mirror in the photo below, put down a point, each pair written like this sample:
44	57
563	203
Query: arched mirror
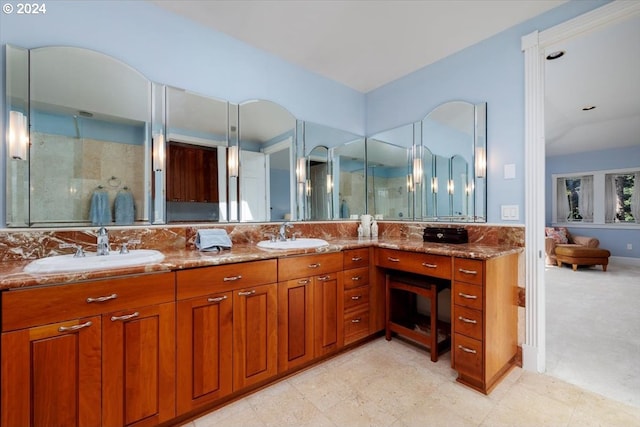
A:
196	156
267	135
319	186
89	126
390	184
455	133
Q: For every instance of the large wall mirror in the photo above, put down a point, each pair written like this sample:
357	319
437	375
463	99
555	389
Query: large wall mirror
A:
88	125
91	141
196	157
390	182
267	136
454	180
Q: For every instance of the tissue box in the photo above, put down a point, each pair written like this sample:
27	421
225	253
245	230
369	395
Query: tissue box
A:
445	235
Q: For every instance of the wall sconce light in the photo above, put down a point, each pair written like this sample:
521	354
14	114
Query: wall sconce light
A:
307	185
434	185
329	183
409	183
158	152
417	165
450	187
481	162
18	135
301	170
233	161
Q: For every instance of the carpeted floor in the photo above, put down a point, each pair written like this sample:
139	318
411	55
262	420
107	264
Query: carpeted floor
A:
593	328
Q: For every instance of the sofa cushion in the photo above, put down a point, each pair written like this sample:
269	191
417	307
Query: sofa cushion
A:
559	234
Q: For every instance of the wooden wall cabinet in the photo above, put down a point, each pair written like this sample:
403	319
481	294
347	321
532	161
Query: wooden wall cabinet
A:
95	353
192	173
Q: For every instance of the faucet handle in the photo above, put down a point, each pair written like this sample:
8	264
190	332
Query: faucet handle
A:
79	252
271	236
124	249
296	234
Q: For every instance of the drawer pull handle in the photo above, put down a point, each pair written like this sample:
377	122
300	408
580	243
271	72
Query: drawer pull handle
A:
356	258
467	320
217	299
125	317
303	282
358	320
466	349
424	264
462	270
75	327
102	299
356	297
316	265
232	278
246	293
356	278
323	278
467	296
393	259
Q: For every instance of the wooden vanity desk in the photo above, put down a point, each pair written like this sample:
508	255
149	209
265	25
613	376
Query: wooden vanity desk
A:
484	317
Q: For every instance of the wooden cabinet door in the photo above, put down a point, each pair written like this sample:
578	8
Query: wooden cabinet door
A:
255	322
204	342
138	362
295	323
51	375
328	313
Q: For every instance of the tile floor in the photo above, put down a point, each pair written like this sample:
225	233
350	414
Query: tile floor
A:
593	328
395	384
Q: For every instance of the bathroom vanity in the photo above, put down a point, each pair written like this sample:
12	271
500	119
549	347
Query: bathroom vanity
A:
159	347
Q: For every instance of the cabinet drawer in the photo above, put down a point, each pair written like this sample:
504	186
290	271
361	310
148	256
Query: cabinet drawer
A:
356	325
467	321
356	296
25	308
467	295
202	281
308	265
468	358
355	278
468	270
354	258
413	262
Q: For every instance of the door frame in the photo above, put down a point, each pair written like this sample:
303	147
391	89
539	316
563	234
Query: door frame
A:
534	45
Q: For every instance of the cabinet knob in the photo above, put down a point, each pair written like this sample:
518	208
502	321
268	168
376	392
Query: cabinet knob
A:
356	258
393	259
232	278
424	264
462	270
467	296
125	317
316	265
467	320
75	327
246	293
358	320
102	299
217	299
467	349
356	297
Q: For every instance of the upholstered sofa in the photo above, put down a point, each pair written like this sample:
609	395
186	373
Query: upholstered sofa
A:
560	236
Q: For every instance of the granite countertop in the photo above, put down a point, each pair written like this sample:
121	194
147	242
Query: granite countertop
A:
12	275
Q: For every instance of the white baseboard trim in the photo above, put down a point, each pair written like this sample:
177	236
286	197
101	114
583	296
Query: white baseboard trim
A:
532	358
624	260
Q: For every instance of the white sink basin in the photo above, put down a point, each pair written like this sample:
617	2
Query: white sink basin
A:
92	262
300	243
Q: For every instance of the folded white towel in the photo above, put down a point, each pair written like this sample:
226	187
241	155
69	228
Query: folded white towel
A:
213	240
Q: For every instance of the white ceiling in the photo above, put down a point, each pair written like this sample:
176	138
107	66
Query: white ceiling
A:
366	44
362	44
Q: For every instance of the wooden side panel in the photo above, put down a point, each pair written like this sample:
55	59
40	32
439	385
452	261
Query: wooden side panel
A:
52	378
139	366
255	320
204	342
295	323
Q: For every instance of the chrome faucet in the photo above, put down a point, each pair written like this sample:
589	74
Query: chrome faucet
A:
282	234
102	247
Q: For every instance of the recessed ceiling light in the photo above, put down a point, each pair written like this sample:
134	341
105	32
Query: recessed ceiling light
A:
588	108
555	55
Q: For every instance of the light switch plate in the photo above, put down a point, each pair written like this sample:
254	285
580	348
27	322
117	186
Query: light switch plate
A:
510	171
510	212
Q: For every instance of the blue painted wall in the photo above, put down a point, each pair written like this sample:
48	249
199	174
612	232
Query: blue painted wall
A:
491	71
611	237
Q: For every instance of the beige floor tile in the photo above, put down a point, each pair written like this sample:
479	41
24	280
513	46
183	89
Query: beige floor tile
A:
359	412
596	410
551	387
464	402
431	413
525	407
